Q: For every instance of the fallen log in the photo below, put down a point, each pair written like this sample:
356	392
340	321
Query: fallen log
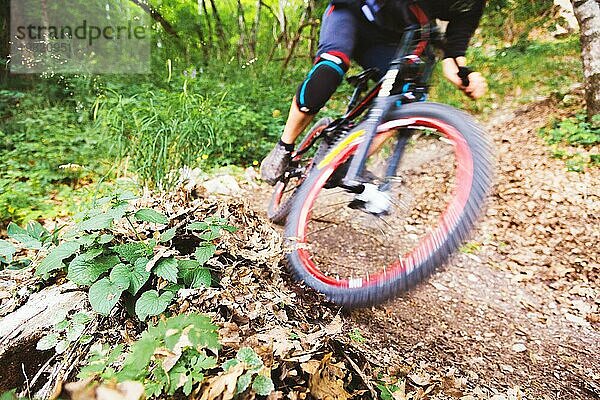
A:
21	330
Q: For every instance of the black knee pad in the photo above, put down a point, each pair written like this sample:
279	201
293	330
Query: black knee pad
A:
321	82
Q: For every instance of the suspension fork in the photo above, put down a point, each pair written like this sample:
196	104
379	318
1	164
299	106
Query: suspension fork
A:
381	106
402	139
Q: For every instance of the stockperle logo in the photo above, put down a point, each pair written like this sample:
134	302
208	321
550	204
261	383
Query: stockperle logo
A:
77	36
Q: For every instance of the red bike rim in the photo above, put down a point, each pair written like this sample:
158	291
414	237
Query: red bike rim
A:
446	223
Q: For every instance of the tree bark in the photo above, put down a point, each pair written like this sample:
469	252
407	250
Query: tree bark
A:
201	36
4	39
255	24
587	13
219	26
157	17
208	25
21	329
243	30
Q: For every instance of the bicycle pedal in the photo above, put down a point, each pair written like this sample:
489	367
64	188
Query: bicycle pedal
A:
372	201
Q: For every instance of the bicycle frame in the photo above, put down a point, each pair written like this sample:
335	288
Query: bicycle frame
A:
416	42
380	99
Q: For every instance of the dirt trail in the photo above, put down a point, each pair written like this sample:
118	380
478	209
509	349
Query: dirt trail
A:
519	312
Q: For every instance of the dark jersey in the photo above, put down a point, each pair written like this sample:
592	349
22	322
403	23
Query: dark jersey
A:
463	17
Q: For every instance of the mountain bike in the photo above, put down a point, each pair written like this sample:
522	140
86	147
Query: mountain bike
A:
377	199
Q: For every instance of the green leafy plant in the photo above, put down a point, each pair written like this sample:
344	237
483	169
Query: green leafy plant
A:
115	268
175	355
356	336
252	376
66	332
33	237
387	390
9	395
470	247
574	131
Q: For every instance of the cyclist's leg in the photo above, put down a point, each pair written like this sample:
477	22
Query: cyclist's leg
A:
336	44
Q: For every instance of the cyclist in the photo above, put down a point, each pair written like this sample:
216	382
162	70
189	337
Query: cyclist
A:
369	31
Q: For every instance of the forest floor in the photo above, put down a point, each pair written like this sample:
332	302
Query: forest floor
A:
517	315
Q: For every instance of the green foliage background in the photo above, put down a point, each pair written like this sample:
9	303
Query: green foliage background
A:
212	101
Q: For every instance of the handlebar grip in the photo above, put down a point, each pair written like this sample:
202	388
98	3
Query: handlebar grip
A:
463	74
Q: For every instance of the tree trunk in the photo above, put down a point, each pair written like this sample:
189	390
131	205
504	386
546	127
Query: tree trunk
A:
208	25
157	17
219	26
255	24
201	36
4	39
243	30
587	13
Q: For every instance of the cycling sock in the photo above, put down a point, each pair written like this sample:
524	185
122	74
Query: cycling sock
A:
287	146
322	80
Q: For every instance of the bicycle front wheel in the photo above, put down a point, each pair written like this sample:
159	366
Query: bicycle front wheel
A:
359	258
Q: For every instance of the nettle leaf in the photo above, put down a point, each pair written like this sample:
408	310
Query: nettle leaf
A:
121	276
193	275
149	215
47	342
54	260
201	278
229	363
22	236
85	339
37	231
81	318
131	251
62	325
263	385
204	252
229	228
97	222
7	251
212	234
167	269
197	226
104	295
243	382
75	332
84	271
249	357
105	238
61	346
139	276
168	235
151	303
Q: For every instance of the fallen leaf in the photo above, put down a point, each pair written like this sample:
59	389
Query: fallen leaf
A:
420	379
519	347
223	386
326	383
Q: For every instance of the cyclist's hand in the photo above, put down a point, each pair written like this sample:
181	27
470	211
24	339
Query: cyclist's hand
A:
477	86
